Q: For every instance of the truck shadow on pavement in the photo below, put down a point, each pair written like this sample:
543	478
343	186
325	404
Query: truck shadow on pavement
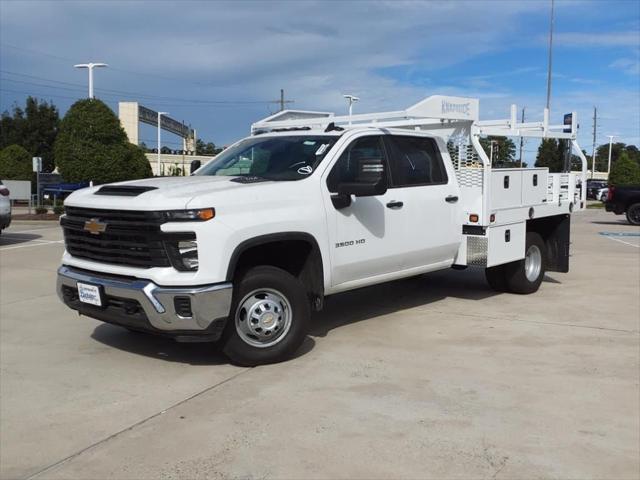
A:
7	238
621	222
340	310
158	347
383	299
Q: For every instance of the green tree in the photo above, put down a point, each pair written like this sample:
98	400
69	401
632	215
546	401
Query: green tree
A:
34	128
602	154
504	151
203	148
625	171
91	145
550	155
16	164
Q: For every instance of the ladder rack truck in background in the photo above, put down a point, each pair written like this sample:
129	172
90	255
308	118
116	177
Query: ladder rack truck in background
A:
309	205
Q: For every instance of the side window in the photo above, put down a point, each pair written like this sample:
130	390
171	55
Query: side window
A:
415	161
346	168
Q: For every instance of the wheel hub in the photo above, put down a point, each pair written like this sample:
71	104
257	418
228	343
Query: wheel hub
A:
533	263
263	318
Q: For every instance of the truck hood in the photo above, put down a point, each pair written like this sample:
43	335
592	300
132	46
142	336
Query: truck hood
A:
166	193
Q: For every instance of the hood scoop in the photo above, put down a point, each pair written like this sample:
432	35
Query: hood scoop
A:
123	190
249	179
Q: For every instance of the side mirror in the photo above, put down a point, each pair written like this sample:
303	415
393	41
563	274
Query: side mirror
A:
370	180
195	164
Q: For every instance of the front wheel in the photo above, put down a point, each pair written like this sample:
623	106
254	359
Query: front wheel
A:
270	317
633	214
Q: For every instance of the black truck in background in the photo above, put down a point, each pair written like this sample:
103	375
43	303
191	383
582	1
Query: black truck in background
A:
625	199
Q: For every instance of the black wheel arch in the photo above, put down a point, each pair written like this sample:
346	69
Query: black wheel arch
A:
296	252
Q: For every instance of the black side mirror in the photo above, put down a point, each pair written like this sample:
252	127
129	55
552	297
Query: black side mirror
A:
195	164
370	181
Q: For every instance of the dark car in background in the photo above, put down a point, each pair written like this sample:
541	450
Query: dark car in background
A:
593	186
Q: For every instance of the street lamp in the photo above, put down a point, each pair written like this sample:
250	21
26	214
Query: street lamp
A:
352	99
90	67
158	161
609	164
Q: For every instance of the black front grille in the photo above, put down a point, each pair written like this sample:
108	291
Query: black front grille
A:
131	238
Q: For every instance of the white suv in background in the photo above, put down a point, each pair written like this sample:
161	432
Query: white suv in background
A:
5	207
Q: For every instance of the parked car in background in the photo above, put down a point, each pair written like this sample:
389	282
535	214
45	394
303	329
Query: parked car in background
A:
602	194
625	200
5	207
593	186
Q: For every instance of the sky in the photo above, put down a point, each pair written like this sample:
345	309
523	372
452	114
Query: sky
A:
217	65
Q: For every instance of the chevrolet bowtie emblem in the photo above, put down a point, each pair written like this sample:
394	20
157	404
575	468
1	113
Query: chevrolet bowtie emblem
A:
94	226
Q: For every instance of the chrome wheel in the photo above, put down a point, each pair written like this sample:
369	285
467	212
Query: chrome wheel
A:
263	318
533	263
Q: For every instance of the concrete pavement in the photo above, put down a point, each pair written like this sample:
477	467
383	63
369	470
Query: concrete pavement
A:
430	377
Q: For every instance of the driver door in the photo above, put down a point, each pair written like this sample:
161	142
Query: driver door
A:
366	237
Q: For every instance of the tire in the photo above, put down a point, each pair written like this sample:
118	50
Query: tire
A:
633	214
525	276
270	317
496	278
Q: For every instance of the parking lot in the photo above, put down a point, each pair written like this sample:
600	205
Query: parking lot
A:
431	377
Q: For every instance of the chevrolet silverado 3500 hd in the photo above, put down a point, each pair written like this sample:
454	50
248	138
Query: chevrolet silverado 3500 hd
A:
309	205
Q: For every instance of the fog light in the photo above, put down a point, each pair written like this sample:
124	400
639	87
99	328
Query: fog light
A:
188	250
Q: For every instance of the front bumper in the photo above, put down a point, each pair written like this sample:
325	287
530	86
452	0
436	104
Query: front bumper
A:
142	305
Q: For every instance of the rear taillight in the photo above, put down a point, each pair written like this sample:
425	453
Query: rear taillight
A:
4	192
610	193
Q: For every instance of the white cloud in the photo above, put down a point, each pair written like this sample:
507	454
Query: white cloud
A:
630	66
595	39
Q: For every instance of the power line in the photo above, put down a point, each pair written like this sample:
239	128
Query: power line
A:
143	95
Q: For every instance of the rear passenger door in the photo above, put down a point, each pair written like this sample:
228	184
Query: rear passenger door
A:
428	192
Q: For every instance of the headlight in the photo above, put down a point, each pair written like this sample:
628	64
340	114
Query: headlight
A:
196	215
188	251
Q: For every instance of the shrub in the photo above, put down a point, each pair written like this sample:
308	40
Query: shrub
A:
91	145
41	210
58	209
624	171
16	164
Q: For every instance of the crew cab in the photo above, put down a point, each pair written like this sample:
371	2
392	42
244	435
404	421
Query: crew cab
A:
312	204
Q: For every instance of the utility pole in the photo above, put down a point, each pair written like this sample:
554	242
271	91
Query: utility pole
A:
521	139
282	102
90	67
593	151
549	66
609	163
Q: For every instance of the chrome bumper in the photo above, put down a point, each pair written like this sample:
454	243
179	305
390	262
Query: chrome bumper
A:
208	303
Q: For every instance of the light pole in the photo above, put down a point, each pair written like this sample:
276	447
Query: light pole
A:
352	99
549	66
90	67
609	163
159	129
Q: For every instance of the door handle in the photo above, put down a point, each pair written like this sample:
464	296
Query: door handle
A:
395	204
451	199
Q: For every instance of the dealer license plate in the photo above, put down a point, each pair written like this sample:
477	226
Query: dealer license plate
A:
89	294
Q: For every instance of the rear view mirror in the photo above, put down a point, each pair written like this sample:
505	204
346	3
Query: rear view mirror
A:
195	164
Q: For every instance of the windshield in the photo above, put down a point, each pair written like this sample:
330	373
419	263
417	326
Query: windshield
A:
271	158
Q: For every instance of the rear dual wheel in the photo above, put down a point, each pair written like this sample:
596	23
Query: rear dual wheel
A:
522	276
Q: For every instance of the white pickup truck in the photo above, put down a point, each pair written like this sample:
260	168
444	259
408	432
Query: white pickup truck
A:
309	205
